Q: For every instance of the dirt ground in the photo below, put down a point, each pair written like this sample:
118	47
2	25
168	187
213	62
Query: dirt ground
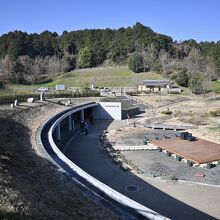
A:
186	110
25	194
190	188
31	187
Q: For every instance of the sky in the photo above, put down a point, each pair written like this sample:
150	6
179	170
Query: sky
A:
180	19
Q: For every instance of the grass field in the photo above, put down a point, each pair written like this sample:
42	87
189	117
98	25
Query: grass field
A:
120	76
216	86
104	77
99	77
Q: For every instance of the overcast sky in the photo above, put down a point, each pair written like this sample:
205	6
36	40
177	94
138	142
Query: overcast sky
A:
180	19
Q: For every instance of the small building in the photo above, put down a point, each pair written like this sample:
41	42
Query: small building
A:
157	86
174	90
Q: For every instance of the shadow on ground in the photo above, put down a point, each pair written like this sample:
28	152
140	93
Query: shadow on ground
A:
87	153
32	188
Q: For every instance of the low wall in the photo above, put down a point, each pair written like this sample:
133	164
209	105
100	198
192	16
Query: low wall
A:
144	211
132	112
108	110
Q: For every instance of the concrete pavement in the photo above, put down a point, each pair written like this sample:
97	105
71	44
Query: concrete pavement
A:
87	153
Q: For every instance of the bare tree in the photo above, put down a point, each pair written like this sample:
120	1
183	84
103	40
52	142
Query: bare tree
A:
165	60
149	56
210	69
194	62
7	67
54	65
27	63
37	69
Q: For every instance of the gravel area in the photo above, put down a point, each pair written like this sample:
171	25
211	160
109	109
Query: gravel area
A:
157	163
143	134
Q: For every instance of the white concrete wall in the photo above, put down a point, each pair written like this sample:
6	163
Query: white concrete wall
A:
148	213
107	110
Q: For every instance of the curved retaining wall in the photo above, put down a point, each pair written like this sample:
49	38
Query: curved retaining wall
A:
120	198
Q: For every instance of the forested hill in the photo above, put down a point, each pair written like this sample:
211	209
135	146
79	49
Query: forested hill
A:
24	57
101	44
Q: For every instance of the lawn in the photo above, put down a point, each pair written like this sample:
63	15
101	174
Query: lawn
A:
99	77
104	77
216	86
216	128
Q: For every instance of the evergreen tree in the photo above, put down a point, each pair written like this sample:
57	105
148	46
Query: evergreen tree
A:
135	63
85	58
182	77
195	83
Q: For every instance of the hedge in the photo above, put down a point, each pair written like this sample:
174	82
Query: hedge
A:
215	113
10	98
168	112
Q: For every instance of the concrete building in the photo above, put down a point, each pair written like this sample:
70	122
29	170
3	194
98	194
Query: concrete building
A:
87	112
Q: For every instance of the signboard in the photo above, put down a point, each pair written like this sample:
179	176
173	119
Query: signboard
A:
108	110
60	87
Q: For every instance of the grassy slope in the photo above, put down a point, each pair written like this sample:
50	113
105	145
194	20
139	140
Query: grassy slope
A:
216	86
30	187
105	77
101	77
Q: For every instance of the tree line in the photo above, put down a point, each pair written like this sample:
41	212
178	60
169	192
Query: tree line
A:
32	58
192	69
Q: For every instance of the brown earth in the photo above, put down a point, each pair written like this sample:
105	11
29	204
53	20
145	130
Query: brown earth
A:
30	185
186	110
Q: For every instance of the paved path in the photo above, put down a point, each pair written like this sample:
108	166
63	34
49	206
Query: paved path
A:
87	153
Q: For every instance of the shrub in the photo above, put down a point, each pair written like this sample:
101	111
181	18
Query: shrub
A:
44	79
135	62
168	154
174	178
209	165
195	83
215	113
10	98
145	142
182	77
167	112
178	158
189	163
132	93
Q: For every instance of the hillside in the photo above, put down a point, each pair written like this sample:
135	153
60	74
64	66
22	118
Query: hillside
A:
120	76
103	77
30	185
41	58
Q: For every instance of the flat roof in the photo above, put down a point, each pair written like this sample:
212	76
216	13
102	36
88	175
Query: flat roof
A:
199	151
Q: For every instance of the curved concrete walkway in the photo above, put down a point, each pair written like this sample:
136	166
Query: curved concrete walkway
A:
87	153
